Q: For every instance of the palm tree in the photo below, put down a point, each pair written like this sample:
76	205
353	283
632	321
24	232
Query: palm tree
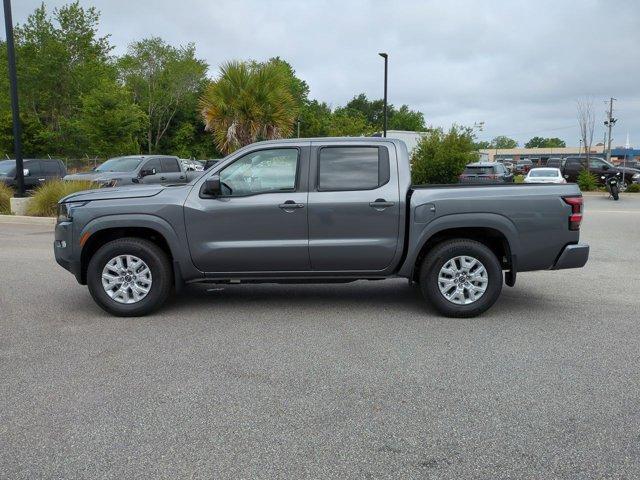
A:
247	103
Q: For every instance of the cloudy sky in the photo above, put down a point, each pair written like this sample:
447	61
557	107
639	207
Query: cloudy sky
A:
519	66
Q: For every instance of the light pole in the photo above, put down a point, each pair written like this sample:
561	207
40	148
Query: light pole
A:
13	81
386	64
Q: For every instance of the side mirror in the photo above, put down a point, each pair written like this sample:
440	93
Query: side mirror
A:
145	172
211	186
605	167
25	172
602	177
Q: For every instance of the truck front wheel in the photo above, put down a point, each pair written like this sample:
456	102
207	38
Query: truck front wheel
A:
461	278
129	277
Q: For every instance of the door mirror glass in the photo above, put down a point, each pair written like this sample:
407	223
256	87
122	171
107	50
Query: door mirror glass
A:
605	167
25	172
211	187
147	171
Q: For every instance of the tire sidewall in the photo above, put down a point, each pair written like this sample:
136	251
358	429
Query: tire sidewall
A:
156	261
440	255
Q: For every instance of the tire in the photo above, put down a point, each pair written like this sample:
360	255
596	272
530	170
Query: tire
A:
434	264
159	276
615	193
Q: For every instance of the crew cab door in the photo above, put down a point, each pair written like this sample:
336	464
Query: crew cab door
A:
354	207
259	223
171	171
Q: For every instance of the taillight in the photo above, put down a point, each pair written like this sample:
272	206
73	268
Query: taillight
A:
576	211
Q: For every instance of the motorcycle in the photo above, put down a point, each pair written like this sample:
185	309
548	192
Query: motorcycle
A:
612	184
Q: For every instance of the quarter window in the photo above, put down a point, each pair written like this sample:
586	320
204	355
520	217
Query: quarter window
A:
352	168
170	165
263	171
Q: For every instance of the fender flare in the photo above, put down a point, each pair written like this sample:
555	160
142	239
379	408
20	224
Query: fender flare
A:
492	221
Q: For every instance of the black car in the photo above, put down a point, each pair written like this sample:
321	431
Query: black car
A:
555	163
523	166
36	171
486	172
600	168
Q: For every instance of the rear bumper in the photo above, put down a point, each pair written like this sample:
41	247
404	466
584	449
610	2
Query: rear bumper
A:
572	256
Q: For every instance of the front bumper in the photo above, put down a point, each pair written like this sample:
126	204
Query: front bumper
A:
572	256
63	248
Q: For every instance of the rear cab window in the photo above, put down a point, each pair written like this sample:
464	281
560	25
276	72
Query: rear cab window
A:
352	168
170	165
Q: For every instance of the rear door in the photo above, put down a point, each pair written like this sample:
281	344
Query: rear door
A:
50	169
354	207
171	171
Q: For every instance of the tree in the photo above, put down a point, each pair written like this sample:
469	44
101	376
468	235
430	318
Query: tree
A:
315	119
346	122
482	145
406	119
586	122
441	157
397	119
110	121
163	79
540	142
503	142
248	102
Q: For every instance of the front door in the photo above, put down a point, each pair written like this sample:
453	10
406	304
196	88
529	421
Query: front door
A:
354	208
259	224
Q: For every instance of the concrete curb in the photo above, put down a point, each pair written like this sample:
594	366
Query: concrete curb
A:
27	220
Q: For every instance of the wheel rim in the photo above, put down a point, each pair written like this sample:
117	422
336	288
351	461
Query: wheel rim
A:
463	280
126	279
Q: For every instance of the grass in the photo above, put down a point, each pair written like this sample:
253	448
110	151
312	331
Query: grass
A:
518	179
5	204
634	188
45	199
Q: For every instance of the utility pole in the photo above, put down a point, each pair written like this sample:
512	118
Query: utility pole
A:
610	122
386	62
13	81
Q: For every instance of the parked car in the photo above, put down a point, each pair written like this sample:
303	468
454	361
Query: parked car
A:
544	175
327	210
523	166
483	172
135	169
509	166
36	171
600	168
555	162
192	165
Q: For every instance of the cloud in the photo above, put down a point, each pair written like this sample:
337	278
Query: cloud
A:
519	66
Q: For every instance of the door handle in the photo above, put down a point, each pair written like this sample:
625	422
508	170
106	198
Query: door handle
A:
163	178
381	204
290	205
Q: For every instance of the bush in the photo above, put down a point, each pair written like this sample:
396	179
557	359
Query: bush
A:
587	181
5	203
518	179
634	188
441	157
46	197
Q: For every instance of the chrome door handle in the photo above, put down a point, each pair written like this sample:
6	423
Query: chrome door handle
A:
290	205
381	204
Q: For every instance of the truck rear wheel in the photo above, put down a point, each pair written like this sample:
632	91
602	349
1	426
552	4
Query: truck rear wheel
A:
461	278
129	277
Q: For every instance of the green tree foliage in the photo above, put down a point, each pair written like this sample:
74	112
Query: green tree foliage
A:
440	157
503	142
482	145
248	102
540	142
346	122
397	119
163	80
587	181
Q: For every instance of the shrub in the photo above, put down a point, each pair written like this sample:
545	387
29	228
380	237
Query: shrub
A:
441	157
518	179
5	194
46	197
634	188
587	181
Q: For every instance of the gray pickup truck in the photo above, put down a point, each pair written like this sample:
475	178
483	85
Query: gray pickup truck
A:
316	210
136	169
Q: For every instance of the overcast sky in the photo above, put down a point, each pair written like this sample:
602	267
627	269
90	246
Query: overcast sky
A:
519	66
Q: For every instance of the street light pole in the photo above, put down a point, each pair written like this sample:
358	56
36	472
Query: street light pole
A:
13	81
386	64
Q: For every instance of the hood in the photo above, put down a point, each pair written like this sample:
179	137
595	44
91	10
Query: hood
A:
97	176
628	169
114	193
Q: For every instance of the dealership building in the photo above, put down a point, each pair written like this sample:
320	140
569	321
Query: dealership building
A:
618	154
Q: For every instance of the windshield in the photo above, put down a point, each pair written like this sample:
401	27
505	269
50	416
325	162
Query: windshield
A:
120	164
543	173
7	167
478	170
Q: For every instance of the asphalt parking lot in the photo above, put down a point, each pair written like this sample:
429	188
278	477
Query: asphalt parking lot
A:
325	381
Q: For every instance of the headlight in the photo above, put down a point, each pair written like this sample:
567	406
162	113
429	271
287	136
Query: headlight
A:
111	182
636	176
65	210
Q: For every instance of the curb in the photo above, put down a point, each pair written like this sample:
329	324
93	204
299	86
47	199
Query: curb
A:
27	220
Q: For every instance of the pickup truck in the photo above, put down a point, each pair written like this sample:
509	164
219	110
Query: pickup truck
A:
316	210
136	169
572	166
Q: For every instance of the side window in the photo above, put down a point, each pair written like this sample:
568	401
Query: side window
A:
352	168
596	163
170	165
261	172
34	167
50	168
153	163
